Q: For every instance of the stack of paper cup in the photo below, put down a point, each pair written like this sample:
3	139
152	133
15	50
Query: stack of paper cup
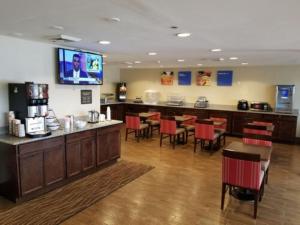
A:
16	124
21	129
10	117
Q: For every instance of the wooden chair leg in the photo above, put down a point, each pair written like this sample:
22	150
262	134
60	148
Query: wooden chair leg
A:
267	175
174	141
255	204
195	144
151	131
223	195
170	139
160	141
138	135
186	136
211	143
224	139
126	136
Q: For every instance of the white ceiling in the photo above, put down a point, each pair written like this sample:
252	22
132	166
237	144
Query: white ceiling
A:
260	32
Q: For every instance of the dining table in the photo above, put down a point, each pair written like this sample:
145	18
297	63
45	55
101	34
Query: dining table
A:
145	115
265	154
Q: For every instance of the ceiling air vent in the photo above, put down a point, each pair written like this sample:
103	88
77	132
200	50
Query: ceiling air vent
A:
65	38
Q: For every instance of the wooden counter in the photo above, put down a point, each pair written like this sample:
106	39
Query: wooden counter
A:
31	168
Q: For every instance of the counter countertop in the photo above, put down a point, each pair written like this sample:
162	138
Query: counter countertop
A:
231	108
12	140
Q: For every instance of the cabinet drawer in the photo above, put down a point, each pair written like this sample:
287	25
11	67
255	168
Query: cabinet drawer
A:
80	135
40	145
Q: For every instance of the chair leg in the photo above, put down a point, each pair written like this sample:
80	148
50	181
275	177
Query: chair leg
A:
174	141
160	141
151	131
223	195
211	143
224	139
267	175
138	135
186	136
195	144
126	136
255	204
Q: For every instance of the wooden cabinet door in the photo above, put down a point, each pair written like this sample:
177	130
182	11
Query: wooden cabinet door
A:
88	152
31	172
54	164
114	144
73	158
102	147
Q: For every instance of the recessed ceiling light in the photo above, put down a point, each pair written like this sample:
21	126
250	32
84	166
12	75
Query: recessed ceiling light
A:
183	35
216	50
152	53
129	63
129	66
221	59
199	64
137	62
233	58
115	19
104	42
244	63
57	27
158	61
180	60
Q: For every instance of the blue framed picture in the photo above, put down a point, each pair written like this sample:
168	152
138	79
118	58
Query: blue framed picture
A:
224	77
184	78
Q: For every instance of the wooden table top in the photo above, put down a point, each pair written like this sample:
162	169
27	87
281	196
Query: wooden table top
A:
182	118
147	114
216	123
264	152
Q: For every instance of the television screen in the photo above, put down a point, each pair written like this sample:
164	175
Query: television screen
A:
77	67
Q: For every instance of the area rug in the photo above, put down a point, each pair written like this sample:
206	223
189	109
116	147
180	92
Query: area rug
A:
60	204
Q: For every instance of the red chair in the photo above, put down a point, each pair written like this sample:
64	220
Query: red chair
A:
134	125
242	170
205	131
220	128
189	125
169	128
154	122
257	133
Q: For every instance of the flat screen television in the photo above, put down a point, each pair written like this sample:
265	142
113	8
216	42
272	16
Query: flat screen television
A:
78	67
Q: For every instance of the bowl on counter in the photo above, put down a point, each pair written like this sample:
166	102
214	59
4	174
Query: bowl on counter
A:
80	124
50	119
53	126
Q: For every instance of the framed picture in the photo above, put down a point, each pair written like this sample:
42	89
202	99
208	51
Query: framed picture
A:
203	78
184	78
167	78
224	77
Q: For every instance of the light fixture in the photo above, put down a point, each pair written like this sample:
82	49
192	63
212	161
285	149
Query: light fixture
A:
216	50
244	63
199	64
233	58
115	19
221	59
129	66
57	27
180	60
158	61
152	53
137	62
129	63
183	35
104	42
67	38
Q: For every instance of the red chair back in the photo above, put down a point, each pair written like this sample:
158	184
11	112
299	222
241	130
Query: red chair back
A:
205	130
219	119
241	169
257	135
191	121
133	121
168	125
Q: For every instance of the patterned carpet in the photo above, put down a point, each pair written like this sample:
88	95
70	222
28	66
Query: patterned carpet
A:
60	204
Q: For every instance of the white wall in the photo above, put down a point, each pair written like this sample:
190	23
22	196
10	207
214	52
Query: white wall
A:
251	83
23	60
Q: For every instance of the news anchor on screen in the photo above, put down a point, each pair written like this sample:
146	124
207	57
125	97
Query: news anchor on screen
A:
76	72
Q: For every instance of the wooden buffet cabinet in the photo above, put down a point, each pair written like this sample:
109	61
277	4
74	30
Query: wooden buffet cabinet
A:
31	169
285	124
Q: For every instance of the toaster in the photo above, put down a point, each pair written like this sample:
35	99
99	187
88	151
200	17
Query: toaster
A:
243	105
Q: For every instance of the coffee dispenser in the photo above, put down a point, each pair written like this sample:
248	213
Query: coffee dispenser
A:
29	101
121	92
284	98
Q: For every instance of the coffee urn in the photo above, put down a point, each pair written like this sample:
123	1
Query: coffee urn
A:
121	92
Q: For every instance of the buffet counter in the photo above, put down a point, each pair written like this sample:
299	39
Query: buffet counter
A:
31	167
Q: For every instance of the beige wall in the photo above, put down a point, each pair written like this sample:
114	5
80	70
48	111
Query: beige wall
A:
111	77
23	60
251	83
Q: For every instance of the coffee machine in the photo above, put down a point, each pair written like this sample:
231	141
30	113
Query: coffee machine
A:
121	92
284	98
29	101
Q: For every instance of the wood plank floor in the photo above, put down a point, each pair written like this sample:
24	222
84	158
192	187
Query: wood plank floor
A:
185	189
